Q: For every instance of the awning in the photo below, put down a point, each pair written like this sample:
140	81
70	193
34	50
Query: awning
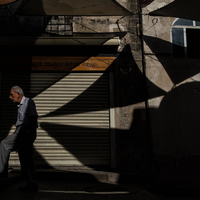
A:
72	8
89	41
186	9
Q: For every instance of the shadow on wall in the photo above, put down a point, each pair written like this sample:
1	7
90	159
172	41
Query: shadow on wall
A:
176	138
135	146
178	69
131	83
175	124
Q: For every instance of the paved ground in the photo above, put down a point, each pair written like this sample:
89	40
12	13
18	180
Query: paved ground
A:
59	185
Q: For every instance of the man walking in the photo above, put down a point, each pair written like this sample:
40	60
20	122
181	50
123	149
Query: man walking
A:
22	139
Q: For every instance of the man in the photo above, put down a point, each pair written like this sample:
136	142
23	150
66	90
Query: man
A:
22	139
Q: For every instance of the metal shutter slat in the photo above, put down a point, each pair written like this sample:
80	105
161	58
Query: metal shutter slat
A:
73	119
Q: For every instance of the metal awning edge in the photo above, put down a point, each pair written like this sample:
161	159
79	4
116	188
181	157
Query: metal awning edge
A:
58	41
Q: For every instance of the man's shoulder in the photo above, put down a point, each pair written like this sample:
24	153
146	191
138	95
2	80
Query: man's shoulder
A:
27	100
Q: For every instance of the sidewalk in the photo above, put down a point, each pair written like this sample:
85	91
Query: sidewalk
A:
61	185
89	185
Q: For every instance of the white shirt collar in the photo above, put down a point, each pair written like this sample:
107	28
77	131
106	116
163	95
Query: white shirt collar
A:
22	101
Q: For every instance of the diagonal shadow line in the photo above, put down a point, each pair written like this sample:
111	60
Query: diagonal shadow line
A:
178	69
80	103
89	145
92	93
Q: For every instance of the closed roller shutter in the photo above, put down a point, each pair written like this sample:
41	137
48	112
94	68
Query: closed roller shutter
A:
73	119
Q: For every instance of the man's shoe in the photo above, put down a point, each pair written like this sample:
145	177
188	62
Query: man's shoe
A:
29	188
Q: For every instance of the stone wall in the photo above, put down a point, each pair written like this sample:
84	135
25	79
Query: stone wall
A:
173	85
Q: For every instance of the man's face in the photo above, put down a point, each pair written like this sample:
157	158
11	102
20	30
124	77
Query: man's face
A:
15	97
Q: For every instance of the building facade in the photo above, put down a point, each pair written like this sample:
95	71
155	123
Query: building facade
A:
86	76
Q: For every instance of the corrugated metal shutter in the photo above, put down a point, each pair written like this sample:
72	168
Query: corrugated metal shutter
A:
73	113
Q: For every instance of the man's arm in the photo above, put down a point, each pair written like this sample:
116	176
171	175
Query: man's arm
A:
32	114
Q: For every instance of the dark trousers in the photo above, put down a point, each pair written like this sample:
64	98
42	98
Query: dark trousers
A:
22	140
